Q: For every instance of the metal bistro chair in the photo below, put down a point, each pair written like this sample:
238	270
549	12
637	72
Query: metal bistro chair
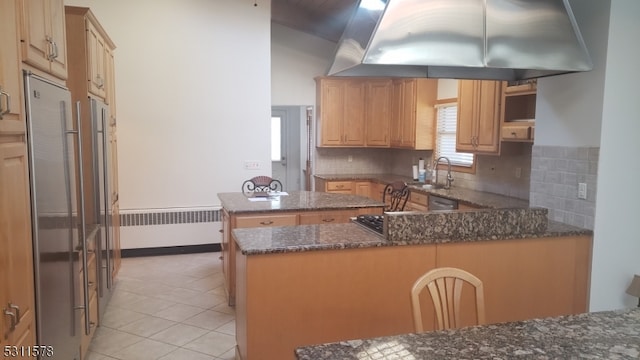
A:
395	196
263	184
445	288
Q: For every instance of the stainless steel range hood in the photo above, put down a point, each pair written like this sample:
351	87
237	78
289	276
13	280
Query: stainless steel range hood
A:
461	39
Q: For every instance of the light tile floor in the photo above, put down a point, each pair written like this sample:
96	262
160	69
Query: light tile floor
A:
167	307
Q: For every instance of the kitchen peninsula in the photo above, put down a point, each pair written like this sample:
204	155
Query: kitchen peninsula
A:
294	208
600	335
312	284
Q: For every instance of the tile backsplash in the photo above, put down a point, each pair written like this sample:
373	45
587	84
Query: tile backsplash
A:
496	174
556	172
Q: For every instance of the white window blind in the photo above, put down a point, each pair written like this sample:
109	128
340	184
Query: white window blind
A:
446	136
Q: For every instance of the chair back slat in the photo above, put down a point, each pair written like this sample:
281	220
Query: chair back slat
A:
445	288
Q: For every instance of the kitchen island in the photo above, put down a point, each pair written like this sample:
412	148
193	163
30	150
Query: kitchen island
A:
600	335
313	284
285	209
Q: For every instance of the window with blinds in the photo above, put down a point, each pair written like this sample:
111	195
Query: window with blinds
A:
446	136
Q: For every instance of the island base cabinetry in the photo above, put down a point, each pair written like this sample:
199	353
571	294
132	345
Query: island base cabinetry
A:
232	221
292	299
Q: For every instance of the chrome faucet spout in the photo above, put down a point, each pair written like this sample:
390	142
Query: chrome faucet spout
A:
449	176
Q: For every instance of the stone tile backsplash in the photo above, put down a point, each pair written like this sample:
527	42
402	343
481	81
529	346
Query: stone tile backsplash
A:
555	174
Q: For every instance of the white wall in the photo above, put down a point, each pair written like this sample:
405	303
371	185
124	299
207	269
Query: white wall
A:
193	97
569	107
617	243
193	86
600	108
296	58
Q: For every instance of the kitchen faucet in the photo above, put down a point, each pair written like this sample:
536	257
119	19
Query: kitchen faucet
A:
449	177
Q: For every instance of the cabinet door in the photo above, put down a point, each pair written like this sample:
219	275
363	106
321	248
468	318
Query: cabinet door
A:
488	126
408	122
36	42
110	86
353	118
332	100
57	32
467	114
378	112
363	188
397	112
96	58
10	90
15	232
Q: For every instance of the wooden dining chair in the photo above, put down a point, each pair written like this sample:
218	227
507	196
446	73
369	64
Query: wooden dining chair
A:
261	184
395	196
445	287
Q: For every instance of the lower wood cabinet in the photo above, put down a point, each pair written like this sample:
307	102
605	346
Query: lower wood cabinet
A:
232	221
417	202
364	292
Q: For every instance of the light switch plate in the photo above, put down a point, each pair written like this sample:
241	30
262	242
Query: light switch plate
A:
252	165
582	191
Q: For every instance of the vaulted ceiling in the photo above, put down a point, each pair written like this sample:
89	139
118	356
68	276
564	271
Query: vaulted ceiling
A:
323	18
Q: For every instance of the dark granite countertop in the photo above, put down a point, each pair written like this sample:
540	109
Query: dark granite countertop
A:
600	335
468	196
295	201
269	240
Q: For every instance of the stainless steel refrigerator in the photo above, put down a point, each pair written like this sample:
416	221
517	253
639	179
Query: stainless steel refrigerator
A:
103	200
57	215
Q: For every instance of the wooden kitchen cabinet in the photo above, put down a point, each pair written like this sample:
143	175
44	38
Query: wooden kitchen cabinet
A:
413	113
42	34
341	117
362	188
17	298
478	116
378	112
11	119
231	221
418	201
518	111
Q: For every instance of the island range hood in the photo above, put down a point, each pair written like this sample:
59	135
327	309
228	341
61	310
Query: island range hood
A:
461	39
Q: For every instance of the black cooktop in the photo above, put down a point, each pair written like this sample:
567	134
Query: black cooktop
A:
373	222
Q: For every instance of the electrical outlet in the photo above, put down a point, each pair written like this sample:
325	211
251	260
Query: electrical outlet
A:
518	172
251	165
582	191
350	158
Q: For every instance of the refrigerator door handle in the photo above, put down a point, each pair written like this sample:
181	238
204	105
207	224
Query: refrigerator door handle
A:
83	225
68	174
105	174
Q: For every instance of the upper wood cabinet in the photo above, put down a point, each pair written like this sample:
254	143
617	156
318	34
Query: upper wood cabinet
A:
11	121
340	112
413	113
378	112
478	116
90	55
42	34
518	111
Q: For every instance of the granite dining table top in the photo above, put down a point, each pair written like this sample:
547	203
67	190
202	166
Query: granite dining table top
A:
597	335
238	202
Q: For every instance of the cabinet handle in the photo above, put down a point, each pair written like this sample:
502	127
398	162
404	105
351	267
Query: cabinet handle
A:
339	186
266	222
51	54
13	319
328	220
8	109
221	231
17	309
55	49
